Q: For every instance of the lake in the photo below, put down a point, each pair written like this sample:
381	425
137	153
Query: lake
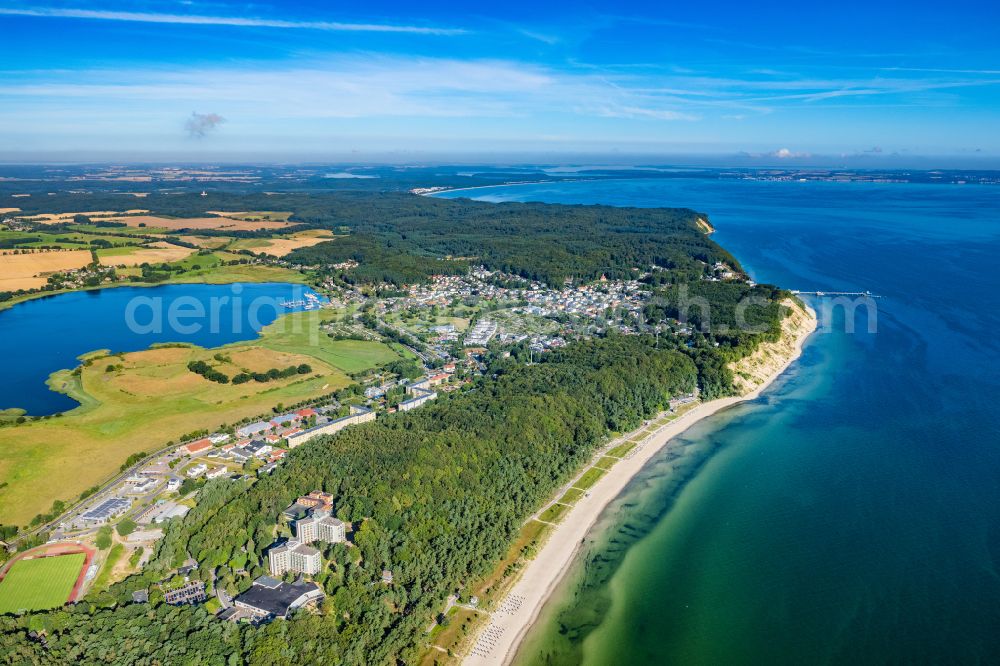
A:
852	513
47	334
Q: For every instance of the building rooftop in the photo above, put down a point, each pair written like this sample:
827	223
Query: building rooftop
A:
280	599
267	581
295	511
107	508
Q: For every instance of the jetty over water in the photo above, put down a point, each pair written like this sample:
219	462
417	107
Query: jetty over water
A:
862	294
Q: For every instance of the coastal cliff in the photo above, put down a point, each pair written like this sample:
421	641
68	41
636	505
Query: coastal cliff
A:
759	368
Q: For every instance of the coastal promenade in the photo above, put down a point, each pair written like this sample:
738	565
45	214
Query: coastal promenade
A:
498	642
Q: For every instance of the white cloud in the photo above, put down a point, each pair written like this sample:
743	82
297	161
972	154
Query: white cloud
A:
190	19
785	153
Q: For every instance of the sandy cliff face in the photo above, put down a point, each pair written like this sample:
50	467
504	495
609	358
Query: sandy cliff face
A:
749	373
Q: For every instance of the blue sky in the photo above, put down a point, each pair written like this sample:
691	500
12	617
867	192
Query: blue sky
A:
782	82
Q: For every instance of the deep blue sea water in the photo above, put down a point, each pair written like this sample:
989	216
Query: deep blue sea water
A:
41	336
850	515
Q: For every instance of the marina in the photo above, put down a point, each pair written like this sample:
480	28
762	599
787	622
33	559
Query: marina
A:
310	301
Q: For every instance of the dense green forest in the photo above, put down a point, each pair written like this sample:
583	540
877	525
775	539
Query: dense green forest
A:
539	241
727	320
435	495
402	238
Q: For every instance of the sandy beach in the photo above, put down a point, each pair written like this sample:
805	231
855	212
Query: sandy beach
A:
498	642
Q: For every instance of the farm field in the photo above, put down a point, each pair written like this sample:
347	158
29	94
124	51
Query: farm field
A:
156	253
39	583
55	218
27	271
150	398
207	242
72	240
224	223
132	232
255	215
280	246
217	274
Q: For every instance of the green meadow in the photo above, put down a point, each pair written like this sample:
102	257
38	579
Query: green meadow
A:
41	583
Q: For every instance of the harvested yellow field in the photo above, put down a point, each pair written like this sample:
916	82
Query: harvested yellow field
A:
28	271
161	373
259	359
279	247
155	253
8	210
55	218
155	373
199	223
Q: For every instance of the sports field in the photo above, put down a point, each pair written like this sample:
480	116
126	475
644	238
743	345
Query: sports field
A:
39	583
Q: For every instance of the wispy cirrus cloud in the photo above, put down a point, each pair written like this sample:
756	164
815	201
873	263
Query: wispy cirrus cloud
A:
372	85
235	21
377	94
627	111
368	86
939	70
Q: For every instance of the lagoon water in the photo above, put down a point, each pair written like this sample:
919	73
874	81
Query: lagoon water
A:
41	336
850	515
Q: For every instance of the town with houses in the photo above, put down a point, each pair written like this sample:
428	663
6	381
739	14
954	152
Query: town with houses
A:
450	324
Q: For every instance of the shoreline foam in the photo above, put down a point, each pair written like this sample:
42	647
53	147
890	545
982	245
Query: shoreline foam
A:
542	574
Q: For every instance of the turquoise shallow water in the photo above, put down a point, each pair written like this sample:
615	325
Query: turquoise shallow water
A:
850	515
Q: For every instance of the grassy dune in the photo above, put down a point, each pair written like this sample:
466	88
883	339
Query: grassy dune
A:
150	398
